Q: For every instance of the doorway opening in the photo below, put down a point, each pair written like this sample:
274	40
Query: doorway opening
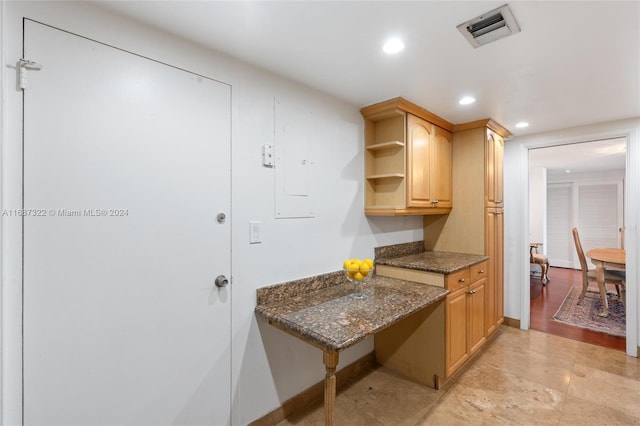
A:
573	185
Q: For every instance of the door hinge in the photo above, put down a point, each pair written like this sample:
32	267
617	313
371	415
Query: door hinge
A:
23	66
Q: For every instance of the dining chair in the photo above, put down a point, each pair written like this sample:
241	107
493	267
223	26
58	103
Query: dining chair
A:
616	278
539	259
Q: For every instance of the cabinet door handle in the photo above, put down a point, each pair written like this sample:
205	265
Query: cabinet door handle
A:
498	201
461	280
482	271
472	292
434	201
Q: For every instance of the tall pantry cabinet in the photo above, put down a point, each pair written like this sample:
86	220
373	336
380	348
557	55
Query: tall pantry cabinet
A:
476	224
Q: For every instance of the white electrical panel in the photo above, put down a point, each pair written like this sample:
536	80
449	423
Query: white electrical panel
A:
294	171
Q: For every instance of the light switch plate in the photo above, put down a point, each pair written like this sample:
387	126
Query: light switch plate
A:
254	232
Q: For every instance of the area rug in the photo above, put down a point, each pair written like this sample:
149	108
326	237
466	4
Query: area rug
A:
585	315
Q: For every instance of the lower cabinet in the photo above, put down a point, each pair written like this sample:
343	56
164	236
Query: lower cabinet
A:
465	318
494	248
431	345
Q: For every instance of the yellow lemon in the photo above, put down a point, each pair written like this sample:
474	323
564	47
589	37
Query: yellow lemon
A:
353	267
369	262
364	268
358	276
346	263
357	262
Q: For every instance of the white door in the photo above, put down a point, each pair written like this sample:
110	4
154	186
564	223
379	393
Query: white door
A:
561	247
600	208
596	209
126	165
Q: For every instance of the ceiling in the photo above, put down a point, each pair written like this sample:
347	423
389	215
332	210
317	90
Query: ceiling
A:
586	157
573	63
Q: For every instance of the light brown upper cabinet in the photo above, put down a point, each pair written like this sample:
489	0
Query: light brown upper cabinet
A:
494	153
429	160
407	160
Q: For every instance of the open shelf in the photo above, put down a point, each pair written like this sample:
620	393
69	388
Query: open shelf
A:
390	207
385	160
386	176
386	145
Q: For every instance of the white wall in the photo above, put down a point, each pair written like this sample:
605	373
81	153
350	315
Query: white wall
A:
517	215
538	206
3	80
590	177
268	366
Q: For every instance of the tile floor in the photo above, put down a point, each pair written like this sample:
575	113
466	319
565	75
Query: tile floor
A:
522	378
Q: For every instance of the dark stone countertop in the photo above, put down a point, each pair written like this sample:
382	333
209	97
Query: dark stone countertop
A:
328	318
433	261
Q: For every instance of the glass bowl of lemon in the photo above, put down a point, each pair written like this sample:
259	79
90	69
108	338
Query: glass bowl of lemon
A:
358	271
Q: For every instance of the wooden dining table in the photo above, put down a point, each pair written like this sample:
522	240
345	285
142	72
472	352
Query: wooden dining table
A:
606	258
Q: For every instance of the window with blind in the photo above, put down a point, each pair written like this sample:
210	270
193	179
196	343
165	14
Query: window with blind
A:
596	209
599	210
559	223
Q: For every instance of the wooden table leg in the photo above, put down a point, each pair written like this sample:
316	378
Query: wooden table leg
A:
602	288
330	362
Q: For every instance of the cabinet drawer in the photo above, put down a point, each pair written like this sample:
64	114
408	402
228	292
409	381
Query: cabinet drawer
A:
479	271
458	279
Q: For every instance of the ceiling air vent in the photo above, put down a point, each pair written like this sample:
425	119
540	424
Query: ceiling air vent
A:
490	26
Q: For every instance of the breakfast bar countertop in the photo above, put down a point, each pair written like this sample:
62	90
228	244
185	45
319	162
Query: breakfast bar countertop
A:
321	311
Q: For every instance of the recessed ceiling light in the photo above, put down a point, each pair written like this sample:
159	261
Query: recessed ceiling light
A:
393	45
567	171
522	125
466	100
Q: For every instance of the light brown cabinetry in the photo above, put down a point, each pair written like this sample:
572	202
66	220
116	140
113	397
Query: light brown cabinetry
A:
429	162
465	315
494	153
415	346
494	228
495	251
476	224
431	345
407	160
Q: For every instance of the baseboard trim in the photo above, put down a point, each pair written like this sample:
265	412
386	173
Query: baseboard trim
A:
512	322
314	395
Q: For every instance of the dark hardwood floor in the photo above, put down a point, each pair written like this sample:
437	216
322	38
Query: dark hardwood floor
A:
545	301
